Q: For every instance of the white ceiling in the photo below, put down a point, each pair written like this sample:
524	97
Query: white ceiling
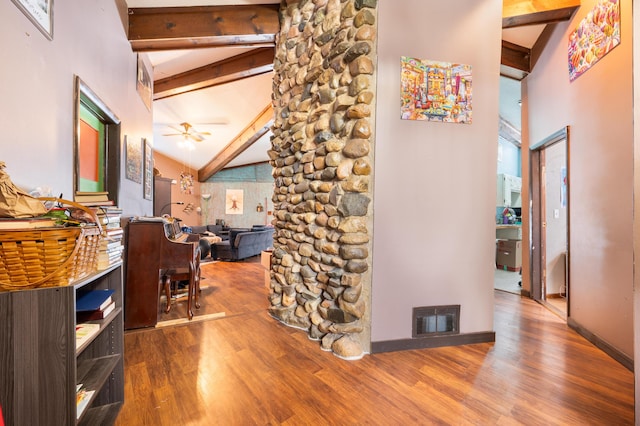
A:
225	110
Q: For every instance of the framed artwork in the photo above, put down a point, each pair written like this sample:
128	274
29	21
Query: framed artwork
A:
97	143
234	201
133	162
435	91
40	12
186	183
594	37
144	84
148	170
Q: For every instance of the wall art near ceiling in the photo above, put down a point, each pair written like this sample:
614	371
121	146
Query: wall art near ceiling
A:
186	183
133	163
594	37
144	84
148	170
234	201
40	12
435	91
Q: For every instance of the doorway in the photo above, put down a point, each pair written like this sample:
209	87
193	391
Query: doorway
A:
549	210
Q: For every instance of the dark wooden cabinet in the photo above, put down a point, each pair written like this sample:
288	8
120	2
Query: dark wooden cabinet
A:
161	196
40	365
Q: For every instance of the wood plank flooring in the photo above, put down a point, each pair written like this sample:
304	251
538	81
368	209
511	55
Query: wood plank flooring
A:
248	369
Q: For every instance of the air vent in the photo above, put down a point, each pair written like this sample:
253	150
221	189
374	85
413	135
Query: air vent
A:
436	320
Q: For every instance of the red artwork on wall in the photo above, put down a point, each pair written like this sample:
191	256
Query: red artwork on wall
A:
89	155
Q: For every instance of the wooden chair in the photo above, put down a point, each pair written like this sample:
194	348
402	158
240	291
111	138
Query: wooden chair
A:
169	279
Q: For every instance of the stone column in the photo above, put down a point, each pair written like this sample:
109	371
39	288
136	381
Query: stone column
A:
322	154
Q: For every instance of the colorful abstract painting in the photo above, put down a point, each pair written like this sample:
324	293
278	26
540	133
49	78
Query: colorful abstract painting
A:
595	36
435	91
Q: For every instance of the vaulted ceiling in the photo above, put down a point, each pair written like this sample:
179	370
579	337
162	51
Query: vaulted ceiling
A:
213	64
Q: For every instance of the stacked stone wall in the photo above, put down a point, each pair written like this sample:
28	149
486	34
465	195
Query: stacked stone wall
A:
322	158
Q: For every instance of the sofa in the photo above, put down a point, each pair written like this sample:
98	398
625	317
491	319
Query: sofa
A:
219	230
202	232
243	243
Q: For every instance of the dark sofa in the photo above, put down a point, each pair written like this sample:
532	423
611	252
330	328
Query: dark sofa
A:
219	230
203	230
243	243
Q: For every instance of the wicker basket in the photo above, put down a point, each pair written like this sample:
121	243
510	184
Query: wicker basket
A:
48	257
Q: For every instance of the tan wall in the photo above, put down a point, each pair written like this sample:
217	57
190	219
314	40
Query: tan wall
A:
435	183
636	205
172	169
37	85
598	108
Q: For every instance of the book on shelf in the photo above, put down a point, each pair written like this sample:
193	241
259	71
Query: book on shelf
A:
110	242
110	256
89	197
107	244
94	300
96	203
83	193
107	210
110	232
9	223
85	331
83	397
111	225
95	315
111	253
107	220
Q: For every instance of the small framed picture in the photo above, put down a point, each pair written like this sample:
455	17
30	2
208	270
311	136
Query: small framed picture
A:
40	12
148	170
133	160
144	84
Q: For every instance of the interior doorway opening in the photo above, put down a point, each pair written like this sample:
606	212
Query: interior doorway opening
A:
549	212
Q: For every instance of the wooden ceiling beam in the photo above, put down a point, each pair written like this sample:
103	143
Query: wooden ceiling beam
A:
518	13
258	127
171	28
248	64
509	132
516	56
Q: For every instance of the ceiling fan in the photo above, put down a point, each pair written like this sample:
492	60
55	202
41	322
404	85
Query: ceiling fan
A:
188	132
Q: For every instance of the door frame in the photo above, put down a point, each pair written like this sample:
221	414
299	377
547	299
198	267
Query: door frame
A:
537	208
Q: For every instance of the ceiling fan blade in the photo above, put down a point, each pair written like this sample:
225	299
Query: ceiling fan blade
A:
172	134
196	137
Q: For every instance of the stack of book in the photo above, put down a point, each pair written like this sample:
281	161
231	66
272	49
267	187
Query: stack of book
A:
94	305
111	247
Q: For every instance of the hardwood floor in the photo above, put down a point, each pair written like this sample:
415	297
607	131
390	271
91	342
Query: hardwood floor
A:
246	369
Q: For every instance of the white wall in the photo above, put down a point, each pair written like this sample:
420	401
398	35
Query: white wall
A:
556	228
434	203
37	84
599	110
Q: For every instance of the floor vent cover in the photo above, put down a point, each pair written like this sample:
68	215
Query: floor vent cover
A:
436	320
